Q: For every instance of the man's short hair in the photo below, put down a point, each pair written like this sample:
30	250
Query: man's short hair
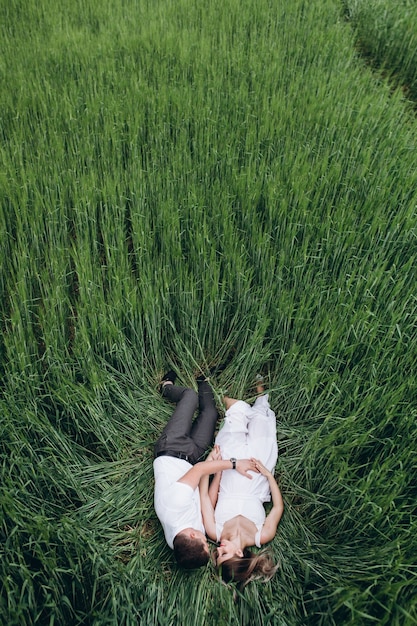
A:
190	553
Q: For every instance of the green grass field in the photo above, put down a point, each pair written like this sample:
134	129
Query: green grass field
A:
186	183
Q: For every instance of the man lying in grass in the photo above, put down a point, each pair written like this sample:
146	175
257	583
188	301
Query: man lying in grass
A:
178	471
232	508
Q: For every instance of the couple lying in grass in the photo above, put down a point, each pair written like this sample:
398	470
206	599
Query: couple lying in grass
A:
228	510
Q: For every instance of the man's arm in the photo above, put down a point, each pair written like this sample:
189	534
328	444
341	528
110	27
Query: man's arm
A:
204	468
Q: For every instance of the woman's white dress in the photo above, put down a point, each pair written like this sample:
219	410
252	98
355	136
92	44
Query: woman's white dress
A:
248	431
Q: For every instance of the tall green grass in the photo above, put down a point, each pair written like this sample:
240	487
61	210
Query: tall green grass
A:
185	184
386	34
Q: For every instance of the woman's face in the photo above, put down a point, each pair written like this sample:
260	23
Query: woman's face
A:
226	550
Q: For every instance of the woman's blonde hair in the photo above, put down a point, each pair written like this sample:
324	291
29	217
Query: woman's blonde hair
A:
250	566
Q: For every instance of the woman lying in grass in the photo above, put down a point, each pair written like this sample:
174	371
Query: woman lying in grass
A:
232	507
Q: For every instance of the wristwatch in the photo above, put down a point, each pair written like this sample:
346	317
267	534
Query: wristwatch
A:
233	462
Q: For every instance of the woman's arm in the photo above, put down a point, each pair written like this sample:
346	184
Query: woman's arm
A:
272	519
207	509
214	489
206	495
